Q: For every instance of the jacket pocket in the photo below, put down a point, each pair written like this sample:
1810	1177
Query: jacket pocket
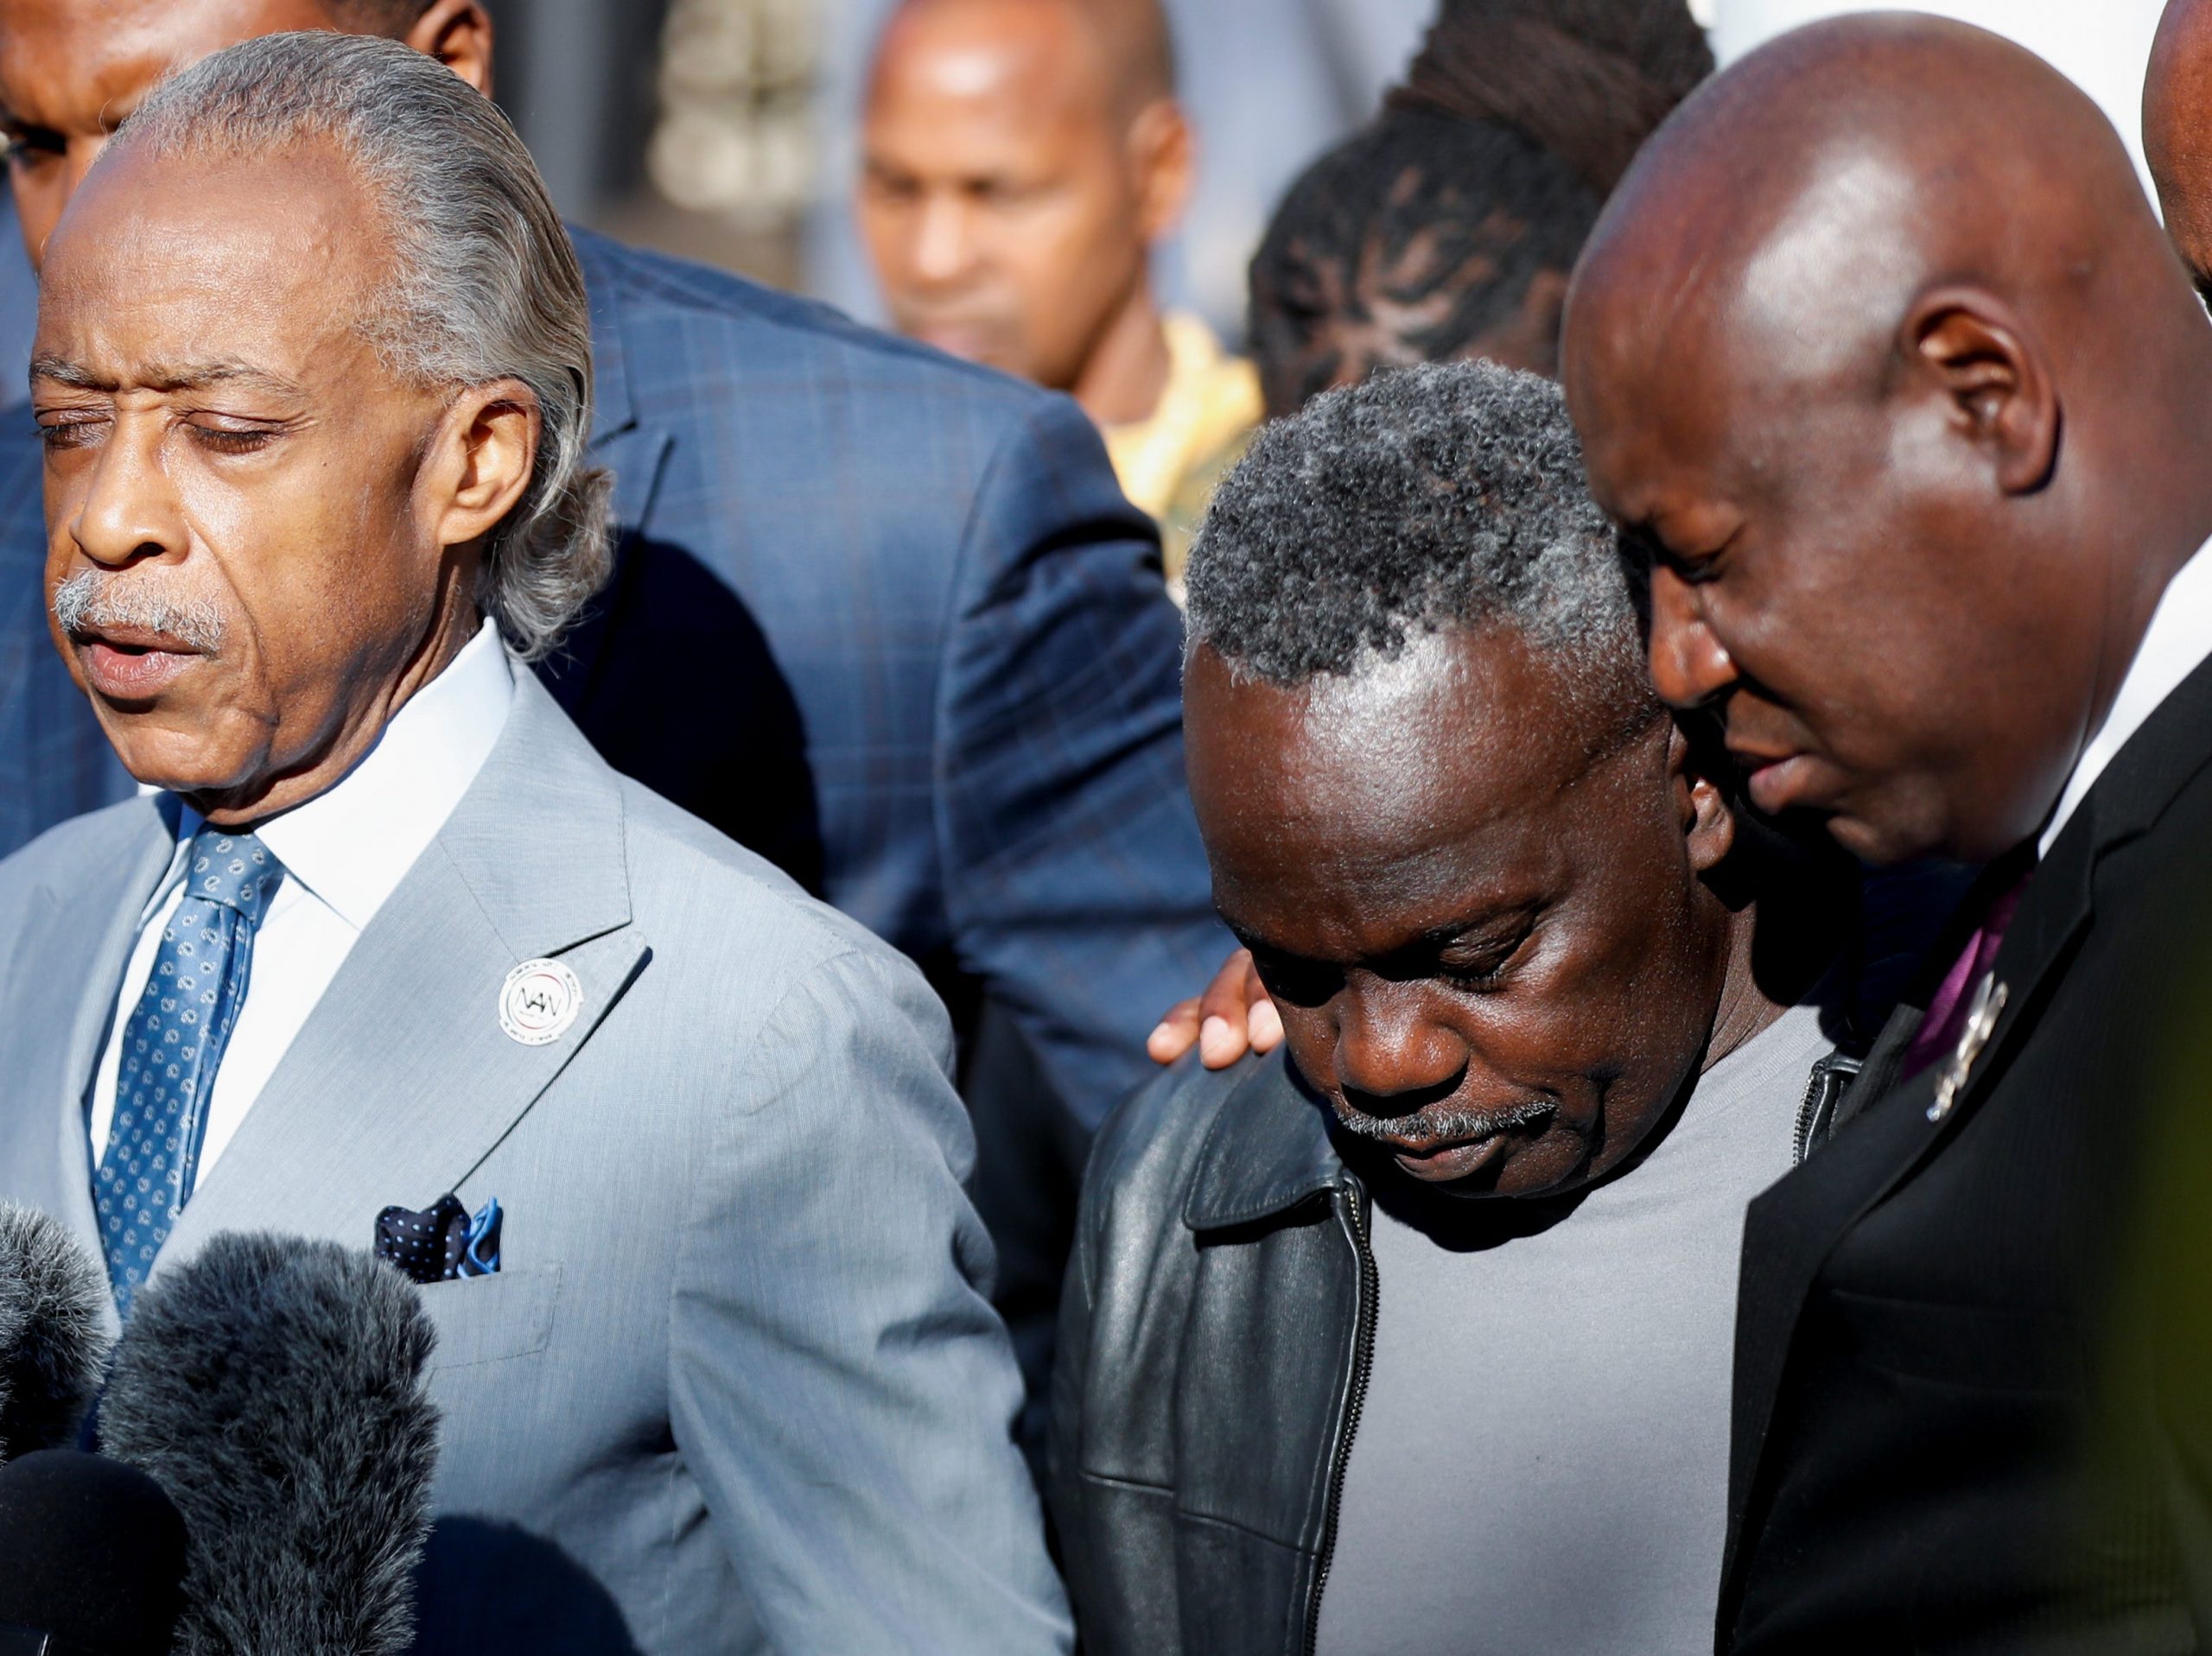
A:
492	1319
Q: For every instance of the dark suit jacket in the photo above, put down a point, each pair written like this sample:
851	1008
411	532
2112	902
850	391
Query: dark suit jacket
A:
881	616
1975	1355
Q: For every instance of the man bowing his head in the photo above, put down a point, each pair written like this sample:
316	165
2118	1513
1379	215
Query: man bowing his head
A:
1882	360
314	374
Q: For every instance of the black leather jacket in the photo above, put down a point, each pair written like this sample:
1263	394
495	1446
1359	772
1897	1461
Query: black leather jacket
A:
1215	1337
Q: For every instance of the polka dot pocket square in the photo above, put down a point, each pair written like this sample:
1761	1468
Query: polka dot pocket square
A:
443	1243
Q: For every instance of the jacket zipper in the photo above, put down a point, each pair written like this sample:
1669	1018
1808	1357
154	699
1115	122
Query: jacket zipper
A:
1831	1078
1801	1143
1362	1363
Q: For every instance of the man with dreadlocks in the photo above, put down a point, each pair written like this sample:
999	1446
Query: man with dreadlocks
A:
1419	1340
1447	226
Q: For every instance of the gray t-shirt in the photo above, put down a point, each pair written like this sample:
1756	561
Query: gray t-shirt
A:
1541	1465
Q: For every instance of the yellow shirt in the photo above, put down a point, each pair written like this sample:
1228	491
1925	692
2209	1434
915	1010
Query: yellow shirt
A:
1169	465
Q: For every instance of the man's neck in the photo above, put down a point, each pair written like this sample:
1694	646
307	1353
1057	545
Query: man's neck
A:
1745	1011
2144	586
1127	372
2156	524
457	624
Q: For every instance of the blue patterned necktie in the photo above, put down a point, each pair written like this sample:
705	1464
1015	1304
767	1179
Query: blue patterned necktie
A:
172	1047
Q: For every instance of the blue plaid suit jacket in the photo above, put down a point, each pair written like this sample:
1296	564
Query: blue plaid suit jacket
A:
884	617
54	764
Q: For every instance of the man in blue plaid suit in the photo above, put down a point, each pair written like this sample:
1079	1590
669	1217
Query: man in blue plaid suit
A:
54	761
882	616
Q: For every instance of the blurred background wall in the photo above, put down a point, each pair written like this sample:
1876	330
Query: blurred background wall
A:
2103	44
682	125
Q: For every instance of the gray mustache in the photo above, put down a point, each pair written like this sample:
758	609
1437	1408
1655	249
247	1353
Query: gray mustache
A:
1446	1123
95	598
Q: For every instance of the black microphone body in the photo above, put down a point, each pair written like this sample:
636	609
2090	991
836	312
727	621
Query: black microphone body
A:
92	1558
54	1299
275	1388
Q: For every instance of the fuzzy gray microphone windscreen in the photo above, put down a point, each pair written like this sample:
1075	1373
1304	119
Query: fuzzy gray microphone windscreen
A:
52	1342
275	1388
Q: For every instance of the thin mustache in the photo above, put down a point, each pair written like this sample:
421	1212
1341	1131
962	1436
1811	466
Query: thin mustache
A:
95	598
1444	1126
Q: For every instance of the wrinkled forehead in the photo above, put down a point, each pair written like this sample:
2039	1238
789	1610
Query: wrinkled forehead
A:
1350	816
1468	730
272	258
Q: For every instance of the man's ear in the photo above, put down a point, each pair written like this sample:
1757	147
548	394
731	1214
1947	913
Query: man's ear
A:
458	33
479	467
1163	158
1708	822
2000	391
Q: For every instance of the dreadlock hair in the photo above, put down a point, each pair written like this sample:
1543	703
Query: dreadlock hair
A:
1432	227
1588	79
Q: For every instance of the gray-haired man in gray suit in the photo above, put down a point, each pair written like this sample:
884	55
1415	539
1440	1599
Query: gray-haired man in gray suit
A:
314	370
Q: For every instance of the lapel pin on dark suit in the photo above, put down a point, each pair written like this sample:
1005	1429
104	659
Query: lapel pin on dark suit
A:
1981	1023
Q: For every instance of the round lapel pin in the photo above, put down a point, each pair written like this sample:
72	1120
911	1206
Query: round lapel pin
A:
538	1001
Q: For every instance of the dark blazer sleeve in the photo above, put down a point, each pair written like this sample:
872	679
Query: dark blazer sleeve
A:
1075	880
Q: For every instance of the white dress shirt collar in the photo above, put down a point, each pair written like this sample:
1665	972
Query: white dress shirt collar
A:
2177	642
353	844
345	852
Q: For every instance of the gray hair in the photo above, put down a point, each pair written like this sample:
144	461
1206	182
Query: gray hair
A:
1439	497
483	284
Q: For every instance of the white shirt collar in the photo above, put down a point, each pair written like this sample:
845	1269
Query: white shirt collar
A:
2177	642
354	843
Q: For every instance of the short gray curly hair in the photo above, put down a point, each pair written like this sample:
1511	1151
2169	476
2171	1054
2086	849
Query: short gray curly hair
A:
1443	496
484	283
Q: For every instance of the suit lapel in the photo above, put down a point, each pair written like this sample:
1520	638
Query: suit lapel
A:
635	453
634	449
1791	1230
1788	1233
2057	906
402	1081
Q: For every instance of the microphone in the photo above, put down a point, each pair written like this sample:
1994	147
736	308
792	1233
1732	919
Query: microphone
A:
275	1387
92	1558
52	1346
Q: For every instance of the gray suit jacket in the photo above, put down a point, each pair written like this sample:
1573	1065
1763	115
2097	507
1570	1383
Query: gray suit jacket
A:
736	1387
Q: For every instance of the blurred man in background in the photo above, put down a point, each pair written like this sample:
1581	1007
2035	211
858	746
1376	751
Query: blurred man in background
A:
1271	83
1022	158
1447	226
